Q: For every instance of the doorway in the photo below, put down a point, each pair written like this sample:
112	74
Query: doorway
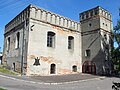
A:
89	67
52	68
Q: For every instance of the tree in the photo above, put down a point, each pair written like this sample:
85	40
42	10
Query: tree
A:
116	50
116	32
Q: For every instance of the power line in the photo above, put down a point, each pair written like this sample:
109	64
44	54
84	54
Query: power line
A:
14	7
9	4
4	2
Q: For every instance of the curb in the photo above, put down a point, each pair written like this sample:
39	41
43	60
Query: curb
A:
33	82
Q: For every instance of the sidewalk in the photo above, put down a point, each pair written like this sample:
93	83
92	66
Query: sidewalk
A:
53	79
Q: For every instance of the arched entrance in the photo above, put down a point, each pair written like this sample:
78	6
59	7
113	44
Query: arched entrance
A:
52	68
89	67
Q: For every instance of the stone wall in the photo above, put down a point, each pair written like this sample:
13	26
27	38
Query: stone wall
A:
60	55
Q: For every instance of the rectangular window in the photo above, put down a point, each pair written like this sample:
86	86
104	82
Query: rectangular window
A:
51	39
17	41
70	42
87	53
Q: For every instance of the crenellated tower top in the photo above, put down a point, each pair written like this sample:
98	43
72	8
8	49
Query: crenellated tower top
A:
94	12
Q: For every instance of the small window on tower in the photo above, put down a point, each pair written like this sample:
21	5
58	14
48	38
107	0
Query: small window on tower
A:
96	12
90	24
87	53
87	15
105	36
82	16
91	13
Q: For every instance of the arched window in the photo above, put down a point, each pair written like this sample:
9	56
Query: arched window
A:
96	12
52	69
70	42
74	68
82	16
8	44
17	41
50	39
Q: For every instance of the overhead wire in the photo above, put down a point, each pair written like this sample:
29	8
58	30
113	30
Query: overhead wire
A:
14	7
8	4
4	2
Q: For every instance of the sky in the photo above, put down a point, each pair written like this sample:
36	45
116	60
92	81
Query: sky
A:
68	8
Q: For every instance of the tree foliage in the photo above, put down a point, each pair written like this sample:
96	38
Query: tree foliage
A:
116	32
116	50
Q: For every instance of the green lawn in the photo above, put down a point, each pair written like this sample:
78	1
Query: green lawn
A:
6	71
2	89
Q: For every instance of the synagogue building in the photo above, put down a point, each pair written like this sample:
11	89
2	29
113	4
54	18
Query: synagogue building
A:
40	42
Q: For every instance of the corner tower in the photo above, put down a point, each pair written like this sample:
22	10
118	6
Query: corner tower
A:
96	28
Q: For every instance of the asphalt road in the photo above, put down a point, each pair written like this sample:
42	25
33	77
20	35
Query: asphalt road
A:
94	84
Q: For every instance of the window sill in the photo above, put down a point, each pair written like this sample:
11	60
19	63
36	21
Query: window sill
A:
71	50
50	47
87	56
16	48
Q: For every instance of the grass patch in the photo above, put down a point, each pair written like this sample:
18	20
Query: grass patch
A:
6	71
2	89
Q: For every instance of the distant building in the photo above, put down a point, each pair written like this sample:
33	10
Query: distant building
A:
39	42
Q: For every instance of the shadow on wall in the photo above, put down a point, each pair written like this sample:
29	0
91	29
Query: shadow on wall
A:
103	66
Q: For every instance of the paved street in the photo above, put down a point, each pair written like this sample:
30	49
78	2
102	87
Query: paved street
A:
12	83
64	78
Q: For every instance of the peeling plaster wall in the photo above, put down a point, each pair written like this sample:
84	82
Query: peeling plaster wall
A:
63	58
14	55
